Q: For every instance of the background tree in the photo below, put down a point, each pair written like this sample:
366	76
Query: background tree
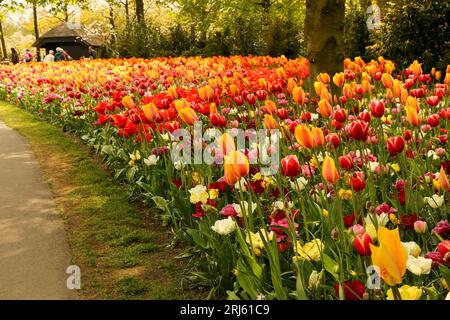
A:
324	28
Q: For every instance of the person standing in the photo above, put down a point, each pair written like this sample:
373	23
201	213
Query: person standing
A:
59	55
49	57
14	56
28	56
91	53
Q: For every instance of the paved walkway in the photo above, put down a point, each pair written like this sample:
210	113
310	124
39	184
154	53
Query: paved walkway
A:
34	254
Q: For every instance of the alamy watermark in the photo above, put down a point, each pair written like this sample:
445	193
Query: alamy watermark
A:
210	147
73	282
374	17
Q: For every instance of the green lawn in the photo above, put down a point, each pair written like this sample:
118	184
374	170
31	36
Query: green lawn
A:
121	248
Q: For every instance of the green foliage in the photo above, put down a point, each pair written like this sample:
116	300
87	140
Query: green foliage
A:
356	34
212	28
415	30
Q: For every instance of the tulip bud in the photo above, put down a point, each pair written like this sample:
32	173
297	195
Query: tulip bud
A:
395	145
444	247
420	226
362	244
357	181
377	108
290	166
314	279
346	162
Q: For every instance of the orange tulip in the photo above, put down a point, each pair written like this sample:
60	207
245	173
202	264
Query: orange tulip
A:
325	108
236	166
387	80
365	84
304	136
319	86
128	102
150	111
269	122
270	106
397	88
404	96
324	78
212	108
390	256
298	95
172	92
291	85
319	138
339	79
186	113
416	68
226	144
234	89
443	181
447	79
329	171
412	102
438	75
412	115
206	93
348	91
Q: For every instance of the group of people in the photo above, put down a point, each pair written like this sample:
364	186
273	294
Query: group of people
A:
60	55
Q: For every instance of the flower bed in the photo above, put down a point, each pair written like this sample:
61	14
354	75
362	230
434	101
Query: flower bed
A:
341	192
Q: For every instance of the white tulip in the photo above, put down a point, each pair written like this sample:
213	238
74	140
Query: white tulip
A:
224	226
419	266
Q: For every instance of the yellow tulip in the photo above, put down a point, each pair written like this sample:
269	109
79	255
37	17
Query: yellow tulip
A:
390	256
406	293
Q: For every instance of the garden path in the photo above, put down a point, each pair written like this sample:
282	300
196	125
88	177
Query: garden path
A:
34	254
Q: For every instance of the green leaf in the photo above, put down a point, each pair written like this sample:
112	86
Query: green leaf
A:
445	273
107	150
161	203
330	265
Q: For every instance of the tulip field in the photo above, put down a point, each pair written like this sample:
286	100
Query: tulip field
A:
286	186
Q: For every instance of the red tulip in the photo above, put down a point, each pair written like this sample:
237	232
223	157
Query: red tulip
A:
334	139
433	100
362	244
218	120
433	120
365	116
377	107
444	247
282	113
353	290
359	130
346	162
251	99
408	135
445	114
395	145
261	95
340	115
290	166
357	181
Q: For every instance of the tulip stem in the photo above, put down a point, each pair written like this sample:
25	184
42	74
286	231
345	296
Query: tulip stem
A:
396	293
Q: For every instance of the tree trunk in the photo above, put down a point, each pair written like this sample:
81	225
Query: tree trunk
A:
66	13
140	11
324	28
2	40
113	25
127	13
36	29
364	4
